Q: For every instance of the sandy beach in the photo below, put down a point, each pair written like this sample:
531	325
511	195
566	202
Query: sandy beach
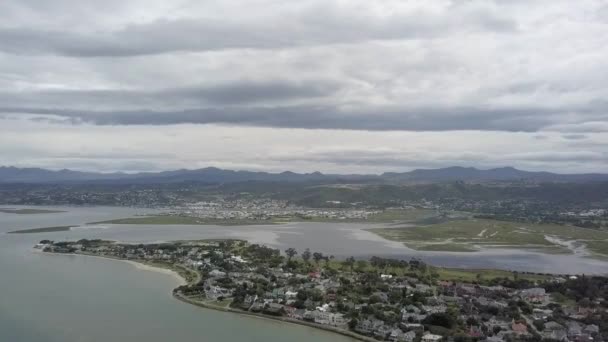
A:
138	265
145	267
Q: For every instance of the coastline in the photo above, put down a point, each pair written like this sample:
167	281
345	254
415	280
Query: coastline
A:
182	281
281	319
157	269
139	265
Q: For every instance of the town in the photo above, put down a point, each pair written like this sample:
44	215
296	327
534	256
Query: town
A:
375	299
261	202
265	209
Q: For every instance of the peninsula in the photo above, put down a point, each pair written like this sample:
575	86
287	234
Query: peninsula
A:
375	299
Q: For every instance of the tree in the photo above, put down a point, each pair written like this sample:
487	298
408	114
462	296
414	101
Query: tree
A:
327	259
353	323
539	324
361	265
317	257
441	319
471	321
301	295
290	252
350	262
374	261
306	255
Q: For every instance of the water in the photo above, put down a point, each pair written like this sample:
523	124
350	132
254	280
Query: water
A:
75	298
62	298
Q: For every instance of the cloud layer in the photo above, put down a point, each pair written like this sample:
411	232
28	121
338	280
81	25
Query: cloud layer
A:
417	68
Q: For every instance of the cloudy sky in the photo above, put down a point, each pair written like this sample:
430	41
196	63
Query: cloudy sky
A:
352	86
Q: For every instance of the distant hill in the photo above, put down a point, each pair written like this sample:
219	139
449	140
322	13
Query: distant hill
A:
206	175
219	176
36	175
469	174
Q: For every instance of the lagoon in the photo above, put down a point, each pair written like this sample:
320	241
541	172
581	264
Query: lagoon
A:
64	298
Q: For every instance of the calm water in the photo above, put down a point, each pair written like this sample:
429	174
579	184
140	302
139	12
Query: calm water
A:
81	299
72	298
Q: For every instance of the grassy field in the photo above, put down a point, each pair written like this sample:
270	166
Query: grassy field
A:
403	215
28	211
446	247
441	273
393	216
455	274
188	220
41	230
465	235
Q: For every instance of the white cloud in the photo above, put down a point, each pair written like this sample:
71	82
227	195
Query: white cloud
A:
144	148
276	83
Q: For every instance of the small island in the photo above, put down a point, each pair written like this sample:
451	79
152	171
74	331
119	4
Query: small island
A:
29	211
186	220
41	230
375	299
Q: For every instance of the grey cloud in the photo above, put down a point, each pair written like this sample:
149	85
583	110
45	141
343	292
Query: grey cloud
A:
452	74
574	136
248	92
585	126
321	117
226	93
307	104
316	25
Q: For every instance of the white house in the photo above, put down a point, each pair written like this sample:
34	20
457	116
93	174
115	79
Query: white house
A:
431	338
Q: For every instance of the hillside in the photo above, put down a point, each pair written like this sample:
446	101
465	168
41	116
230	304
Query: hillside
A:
213	175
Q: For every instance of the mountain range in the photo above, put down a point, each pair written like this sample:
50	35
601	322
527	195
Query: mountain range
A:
216	176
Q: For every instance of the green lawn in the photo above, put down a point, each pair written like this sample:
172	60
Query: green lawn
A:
469	275
452	274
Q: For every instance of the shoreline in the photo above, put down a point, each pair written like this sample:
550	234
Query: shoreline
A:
138	265
158	269
182	281
280	319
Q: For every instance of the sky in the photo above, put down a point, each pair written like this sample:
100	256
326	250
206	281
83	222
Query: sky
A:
336	86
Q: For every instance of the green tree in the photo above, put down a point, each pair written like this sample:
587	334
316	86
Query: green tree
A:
361	265
353	323
539	324
441	319
290	252
317	257
306	255
350	262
